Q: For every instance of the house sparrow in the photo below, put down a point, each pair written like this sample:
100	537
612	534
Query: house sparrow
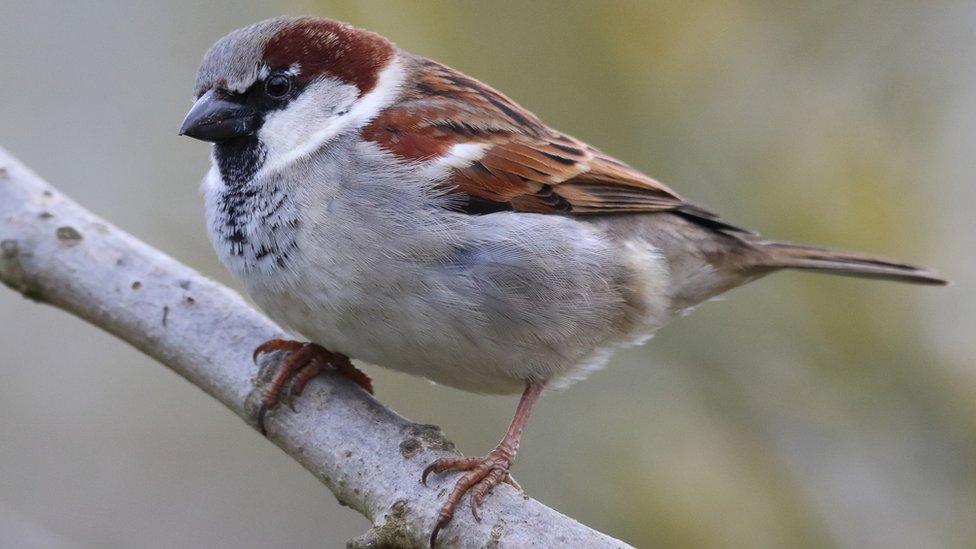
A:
392	209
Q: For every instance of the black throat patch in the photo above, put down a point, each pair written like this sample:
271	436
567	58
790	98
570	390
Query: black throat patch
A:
239	159
252	218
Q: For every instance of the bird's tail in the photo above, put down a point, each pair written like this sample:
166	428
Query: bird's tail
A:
786	255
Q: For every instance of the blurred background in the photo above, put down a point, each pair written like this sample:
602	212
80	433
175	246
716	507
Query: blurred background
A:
800	411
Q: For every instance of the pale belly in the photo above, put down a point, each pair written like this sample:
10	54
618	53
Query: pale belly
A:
485	317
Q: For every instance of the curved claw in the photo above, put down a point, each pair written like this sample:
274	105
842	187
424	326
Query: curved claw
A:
259	350
254	357
291	403
444	518
262	411
483	487
447	464
437	528
427	470
303	362
274	345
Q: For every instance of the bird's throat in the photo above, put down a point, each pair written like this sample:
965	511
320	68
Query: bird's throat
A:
239	159
252	219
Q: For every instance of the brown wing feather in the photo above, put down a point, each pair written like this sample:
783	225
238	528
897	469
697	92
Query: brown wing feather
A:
525	166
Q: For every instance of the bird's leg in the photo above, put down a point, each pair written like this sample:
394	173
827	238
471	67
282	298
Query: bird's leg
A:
484	473
303	362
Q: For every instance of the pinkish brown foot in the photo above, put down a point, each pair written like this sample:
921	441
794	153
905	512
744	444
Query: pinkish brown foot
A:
303	362
483	474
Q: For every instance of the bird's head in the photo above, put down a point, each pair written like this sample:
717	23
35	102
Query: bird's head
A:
271	93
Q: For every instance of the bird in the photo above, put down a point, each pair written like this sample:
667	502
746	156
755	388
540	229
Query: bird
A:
391	209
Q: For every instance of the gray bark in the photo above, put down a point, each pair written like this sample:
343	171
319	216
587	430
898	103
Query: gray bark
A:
54	251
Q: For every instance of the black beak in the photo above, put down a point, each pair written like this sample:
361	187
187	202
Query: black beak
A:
213	118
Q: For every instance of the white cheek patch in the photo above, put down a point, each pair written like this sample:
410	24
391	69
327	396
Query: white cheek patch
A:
322	111
292	132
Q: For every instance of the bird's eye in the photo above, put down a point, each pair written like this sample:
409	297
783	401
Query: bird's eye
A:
277	86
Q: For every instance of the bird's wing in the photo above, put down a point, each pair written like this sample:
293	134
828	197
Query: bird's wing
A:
501	157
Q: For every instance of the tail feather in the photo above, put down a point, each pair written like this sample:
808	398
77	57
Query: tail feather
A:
786	255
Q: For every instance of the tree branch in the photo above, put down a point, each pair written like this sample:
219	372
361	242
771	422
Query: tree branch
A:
54	251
